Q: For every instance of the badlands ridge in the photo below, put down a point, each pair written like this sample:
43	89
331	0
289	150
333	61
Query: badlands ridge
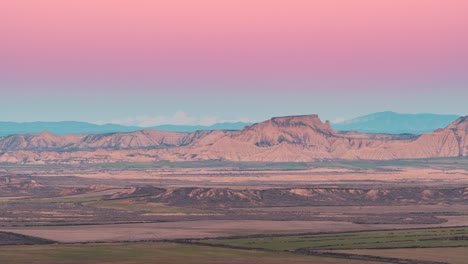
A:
280	139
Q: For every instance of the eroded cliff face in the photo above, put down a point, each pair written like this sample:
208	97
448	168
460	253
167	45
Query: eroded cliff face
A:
135	140
293	138
460	129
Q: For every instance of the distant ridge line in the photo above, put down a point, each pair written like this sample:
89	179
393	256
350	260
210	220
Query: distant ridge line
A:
280	139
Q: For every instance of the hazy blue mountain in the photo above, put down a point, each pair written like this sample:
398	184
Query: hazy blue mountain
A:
219	126
71	127
60	128
396	123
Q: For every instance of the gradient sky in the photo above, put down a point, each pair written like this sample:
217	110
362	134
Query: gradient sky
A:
204	61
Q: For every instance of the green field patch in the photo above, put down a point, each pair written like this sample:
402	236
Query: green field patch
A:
431	237
139	253
454	255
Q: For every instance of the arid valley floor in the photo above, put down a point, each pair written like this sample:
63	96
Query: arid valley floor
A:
402	211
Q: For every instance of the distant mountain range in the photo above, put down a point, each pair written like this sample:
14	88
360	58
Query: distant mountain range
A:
396	123
71	127
380	123
218	126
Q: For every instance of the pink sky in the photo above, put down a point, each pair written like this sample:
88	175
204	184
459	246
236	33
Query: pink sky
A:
115	59
234	39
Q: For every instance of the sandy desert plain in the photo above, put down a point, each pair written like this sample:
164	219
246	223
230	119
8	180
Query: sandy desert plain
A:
400	211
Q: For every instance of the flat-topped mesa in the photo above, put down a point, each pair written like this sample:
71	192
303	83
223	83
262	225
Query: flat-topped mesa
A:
305	130
312	121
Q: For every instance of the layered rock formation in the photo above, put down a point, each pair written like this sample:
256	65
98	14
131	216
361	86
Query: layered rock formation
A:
294	138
